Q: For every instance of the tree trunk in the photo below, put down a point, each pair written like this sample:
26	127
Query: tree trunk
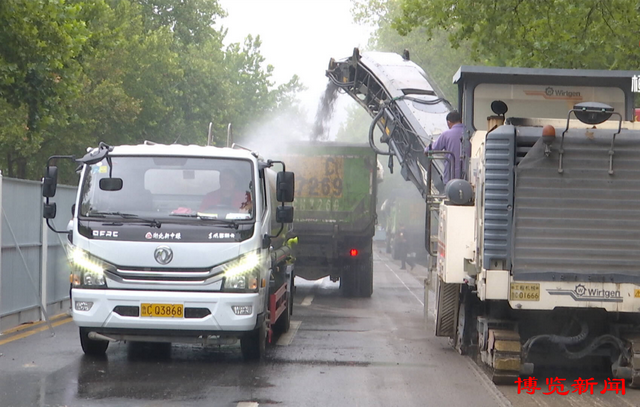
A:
22	168
9	165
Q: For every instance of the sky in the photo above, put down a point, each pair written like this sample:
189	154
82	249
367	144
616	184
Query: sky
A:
299	37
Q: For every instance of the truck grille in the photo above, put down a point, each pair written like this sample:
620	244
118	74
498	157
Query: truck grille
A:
127	310
165	274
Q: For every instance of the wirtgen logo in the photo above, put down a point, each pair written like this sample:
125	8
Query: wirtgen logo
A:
555	93
582	293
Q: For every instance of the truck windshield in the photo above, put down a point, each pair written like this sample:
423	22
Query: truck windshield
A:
171	188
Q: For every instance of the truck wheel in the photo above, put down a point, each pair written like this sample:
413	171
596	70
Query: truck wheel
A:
254	344
365	278
349	281
283	323
92	347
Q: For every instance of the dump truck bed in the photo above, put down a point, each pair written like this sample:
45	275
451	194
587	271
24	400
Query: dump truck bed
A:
335	187
335	208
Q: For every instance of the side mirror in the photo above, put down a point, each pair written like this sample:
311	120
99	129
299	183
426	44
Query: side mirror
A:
111	184
50	181
49	210
284	214
285	186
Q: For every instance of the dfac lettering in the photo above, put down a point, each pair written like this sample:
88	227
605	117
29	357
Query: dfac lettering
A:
105	233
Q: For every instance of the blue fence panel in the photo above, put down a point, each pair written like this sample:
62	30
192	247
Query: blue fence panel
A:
21	229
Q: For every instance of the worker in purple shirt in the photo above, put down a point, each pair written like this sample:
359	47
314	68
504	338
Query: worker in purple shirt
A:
450	140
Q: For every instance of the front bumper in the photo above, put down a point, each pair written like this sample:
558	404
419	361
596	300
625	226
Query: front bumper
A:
220	320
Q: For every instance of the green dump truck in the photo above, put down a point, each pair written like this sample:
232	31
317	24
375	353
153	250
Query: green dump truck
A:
335	212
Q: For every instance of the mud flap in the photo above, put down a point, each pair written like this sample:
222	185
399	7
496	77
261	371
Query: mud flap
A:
447	303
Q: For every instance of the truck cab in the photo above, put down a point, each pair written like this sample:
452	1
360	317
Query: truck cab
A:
172	243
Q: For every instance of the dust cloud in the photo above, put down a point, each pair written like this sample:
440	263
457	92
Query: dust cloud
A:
324	114
292	126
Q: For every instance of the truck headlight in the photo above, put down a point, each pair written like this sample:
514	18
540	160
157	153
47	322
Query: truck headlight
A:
87	271
242	274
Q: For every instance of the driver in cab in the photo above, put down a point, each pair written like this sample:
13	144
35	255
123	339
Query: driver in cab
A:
230	195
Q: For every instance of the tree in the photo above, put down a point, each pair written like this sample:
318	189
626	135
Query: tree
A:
431	51
76	72
38	71
594	34
128	84
192	21
254	97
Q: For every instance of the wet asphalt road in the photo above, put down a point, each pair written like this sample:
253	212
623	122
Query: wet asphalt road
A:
339	352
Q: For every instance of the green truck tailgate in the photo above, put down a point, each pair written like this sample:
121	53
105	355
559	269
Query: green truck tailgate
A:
335	186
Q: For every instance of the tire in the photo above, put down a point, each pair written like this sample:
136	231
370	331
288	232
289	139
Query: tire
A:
283	323
466	339
292	293
254	344
365	278
92	347
349	280
357	281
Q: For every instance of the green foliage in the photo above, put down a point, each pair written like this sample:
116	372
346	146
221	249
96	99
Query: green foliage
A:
431	51
593	34
444	34
76	72
192	21
38	71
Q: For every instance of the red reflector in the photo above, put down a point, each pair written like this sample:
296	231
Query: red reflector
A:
353	252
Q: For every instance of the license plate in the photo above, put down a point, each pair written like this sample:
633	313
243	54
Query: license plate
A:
525	292
162	310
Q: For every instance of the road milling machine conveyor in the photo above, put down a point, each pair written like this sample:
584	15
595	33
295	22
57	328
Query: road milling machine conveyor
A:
537	255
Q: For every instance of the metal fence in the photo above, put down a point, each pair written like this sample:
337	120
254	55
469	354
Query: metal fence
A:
33	269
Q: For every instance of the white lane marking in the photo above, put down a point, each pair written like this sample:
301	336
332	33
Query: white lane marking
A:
407	287
502	401
248	404
286	339
309	298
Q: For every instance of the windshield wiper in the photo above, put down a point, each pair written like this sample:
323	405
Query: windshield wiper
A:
128	216
231	223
